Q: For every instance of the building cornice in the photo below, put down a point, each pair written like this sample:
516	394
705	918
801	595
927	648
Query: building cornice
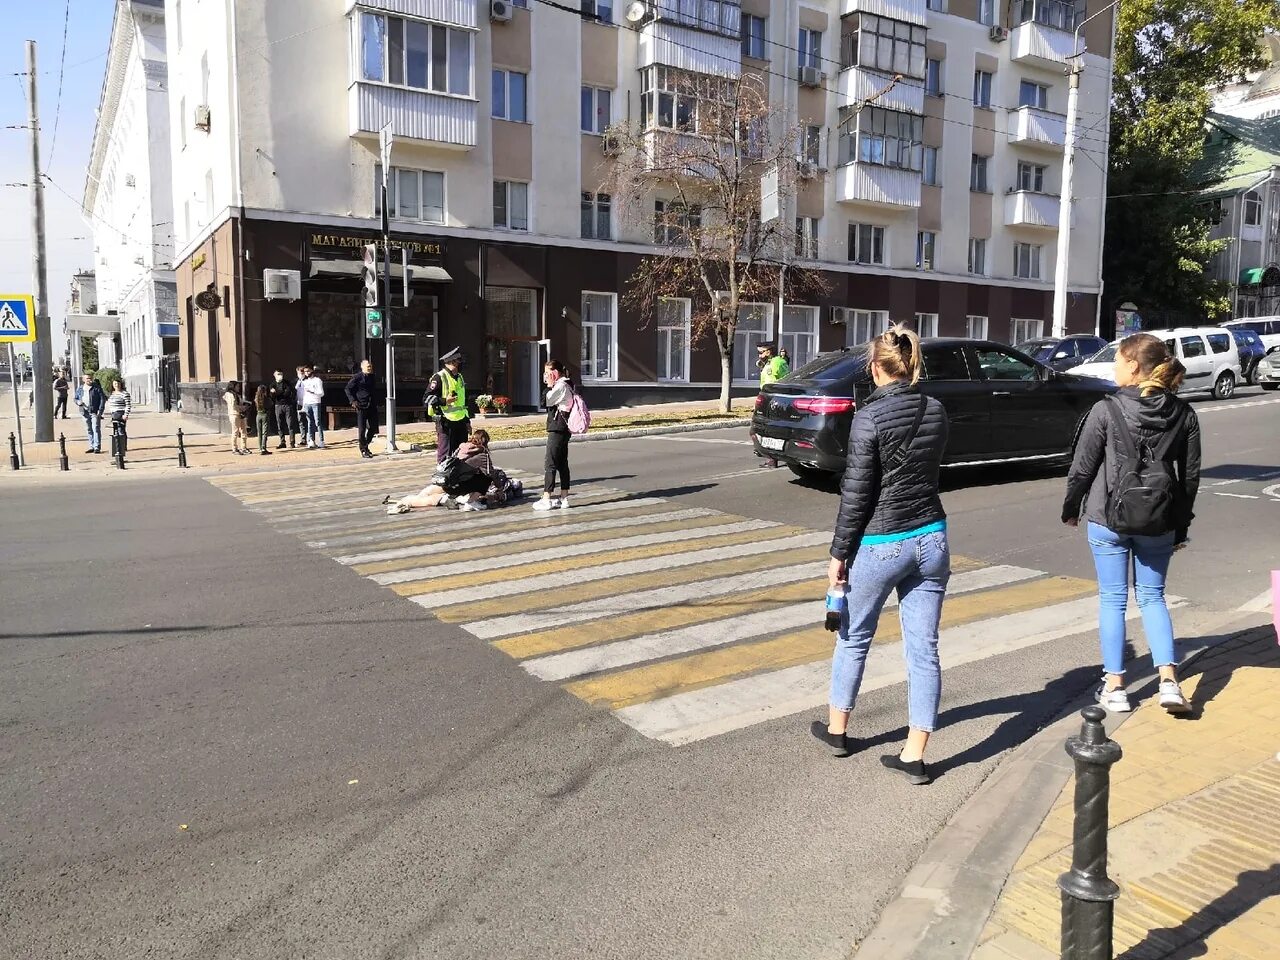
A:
109	100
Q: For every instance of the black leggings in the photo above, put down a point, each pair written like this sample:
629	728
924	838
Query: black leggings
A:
557	461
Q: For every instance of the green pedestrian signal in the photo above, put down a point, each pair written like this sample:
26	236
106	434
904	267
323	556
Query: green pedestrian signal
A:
373	324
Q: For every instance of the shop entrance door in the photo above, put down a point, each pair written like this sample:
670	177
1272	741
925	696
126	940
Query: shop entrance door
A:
511	344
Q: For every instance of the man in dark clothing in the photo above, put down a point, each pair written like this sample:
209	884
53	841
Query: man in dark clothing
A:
446	403
362	392
61	388
284	397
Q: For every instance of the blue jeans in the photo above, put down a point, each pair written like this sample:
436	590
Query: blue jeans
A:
93	427
311	428
918	568
1150	560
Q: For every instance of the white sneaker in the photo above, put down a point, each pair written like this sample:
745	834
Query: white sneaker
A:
1116	701
545	503
1171	697
473	505
563	503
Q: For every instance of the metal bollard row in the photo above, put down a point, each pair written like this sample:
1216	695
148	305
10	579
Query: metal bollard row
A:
63	463
182	451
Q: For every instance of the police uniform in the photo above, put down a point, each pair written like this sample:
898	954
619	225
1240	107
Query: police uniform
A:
446	403
774	369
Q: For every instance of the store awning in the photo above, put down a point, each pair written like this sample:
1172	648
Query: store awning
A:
1251	277
351	268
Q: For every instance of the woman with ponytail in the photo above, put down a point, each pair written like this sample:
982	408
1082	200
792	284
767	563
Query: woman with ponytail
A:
891	535
1134	479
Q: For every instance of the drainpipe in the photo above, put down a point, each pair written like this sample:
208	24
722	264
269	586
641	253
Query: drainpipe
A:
238	187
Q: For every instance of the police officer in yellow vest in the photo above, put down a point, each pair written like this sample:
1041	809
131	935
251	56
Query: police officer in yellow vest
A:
446	403
772	367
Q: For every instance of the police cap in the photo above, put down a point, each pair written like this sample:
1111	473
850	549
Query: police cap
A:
453	356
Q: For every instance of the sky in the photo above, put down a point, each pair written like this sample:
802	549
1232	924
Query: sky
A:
69	246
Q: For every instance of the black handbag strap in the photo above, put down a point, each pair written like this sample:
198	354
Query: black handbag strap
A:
1162	448
899	456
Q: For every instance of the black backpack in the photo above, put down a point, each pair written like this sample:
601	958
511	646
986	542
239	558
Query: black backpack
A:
1148	499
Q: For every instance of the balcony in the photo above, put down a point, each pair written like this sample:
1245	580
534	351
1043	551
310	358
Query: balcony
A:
684	48
1022	208
912	11
440	119
1033	127
685	155
1043	35
858	84
878	186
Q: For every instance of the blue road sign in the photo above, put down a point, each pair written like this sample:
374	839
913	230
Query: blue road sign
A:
17	318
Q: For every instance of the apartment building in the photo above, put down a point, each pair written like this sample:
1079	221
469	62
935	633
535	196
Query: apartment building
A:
930	199
128	200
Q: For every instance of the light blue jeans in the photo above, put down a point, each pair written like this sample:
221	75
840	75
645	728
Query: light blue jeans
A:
918	568
93	427
311	424
1113	554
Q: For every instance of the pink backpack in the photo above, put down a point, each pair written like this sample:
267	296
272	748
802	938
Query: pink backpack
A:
579	419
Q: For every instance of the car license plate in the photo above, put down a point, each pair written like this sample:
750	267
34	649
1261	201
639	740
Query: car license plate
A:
771	443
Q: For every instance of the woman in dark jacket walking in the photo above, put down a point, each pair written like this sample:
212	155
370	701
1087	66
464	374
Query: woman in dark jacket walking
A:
1153	416
891	535
559	403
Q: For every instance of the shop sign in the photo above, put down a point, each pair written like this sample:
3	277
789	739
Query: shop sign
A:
346	246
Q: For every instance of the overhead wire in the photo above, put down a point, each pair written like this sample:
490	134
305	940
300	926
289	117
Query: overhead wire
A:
62	70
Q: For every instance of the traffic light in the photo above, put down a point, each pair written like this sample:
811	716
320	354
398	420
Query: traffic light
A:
373	328
369	274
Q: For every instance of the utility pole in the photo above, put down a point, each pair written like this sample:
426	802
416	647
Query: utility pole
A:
41	349
389	378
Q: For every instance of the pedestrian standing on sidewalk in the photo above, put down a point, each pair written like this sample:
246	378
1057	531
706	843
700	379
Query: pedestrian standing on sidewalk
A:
891	535
362	394
236	412
559	403
312	388
118	407
61	388
262	408
300	392
1135	473
284	400
91	400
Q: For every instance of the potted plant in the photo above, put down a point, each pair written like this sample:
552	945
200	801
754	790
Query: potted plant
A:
503	404
484	403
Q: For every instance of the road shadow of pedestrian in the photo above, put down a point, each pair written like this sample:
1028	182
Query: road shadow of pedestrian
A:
1252	887
1215	673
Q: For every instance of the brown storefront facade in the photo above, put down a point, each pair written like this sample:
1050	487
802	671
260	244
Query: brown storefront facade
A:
508	305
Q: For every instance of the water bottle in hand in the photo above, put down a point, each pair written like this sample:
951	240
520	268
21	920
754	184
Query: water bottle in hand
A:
836	600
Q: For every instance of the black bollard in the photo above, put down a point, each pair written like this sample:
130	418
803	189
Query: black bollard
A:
1088	894
13	452
182	451
117	443
63	462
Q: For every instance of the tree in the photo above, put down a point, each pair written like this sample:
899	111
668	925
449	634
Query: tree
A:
694	181
1168	54
89	353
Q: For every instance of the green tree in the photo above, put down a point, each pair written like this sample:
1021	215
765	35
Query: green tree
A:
1168	53
105	376
89	354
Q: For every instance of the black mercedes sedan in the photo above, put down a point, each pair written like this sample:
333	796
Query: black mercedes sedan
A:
1003	406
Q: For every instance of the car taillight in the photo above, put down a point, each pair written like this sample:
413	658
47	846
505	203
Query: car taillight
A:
823	405
760	400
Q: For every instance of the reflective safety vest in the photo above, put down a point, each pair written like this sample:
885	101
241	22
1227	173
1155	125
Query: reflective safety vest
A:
774	370
457	410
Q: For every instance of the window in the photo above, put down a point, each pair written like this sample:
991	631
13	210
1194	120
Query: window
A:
998	364
807	238
599	324
926	243
510	99
597	209
927	325
987	12
975	327
672	322
510	205
799	334
810	145
933	78
1020	331
978	256
1031	176
982	89
415	53
884	137
878	43
753	36
978	174
937	6
673	223
1252	209
946	363
755	323
810	48
1059	14
1219	342
866	325
1026	261
1033	95
670	99
411	194
1193	347
713	16
866	243
597	109
599	10
930	167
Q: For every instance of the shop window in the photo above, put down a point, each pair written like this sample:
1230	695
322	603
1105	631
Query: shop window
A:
599	336
672	322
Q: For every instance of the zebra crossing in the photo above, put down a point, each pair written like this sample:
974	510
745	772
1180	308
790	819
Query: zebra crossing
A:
686	622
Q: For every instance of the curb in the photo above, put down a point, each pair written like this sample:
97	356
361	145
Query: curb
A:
946	899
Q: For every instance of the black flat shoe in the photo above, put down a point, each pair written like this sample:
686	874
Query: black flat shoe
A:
913	770
838	742
386	500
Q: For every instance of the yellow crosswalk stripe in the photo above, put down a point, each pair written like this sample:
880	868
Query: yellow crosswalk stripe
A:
653	681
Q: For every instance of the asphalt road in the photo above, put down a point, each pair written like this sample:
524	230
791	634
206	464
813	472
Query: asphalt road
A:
218	743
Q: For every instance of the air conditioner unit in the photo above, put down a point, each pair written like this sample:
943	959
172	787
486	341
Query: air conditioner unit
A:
806	169
130	180
611	145
500	10
810	77
282	284
202	117
840	316
999	33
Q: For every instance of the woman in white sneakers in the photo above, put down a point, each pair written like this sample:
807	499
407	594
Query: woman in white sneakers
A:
559	403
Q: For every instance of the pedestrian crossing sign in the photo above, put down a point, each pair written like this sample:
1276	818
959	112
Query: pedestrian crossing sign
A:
17	318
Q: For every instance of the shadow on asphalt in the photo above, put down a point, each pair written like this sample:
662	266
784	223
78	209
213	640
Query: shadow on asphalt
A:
1237	471
958	478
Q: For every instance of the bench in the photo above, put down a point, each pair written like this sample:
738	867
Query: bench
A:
335	414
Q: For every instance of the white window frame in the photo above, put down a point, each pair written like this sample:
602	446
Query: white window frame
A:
987	12
937	6
665	332
926	249
867	325
1032	176
750	40
978	256
595	201
809	48
506	74
590	338
792	340
1251	209
393	194
362	17
594	93
528	206
1039	98
926	325
674	234
745	340
929	167
1021	330
855	244
983	80
807	237
977	184
1027	260
976	327
933	77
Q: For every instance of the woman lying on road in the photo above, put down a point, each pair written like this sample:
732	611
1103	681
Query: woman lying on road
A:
1128	525
467	493
891	534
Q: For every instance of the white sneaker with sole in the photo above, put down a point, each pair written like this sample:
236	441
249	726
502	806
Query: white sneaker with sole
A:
1116	701
472	505
563	503
1171	697
545	503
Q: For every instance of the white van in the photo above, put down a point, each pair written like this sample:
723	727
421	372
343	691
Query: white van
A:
1267	329
1208	353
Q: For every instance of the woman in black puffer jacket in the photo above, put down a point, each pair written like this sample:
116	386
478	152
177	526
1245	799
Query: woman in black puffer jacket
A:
891	534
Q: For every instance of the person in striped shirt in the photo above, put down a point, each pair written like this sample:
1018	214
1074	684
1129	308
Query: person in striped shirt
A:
118	407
